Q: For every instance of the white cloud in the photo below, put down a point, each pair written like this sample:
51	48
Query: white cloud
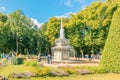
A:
35	22
62	16
71	3
2	8
80	1
70	13
66	15
68	3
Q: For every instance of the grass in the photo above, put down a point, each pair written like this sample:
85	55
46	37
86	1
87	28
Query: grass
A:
5	71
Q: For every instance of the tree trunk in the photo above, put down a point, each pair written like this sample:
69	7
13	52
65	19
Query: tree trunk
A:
16	43
82	55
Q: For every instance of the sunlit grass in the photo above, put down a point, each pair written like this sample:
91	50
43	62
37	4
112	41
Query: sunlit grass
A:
5	71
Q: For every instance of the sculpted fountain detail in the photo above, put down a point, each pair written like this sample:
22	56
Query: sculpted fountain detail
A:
62	51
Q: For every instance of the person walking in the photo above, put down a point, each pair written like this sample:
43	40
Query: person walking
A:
3	55
49	58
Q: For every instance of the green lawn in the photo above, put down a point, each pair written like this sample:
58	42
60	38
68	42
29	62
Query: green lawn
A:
13	69
4	71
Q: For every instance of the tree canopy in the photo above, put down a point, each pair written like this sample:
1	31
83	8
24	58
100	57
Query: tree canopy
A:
87	30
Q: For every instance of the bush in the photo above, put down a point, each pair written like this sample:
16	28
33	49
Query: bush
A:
31	63
4	60
110	60
97	70
41	71
70	71
93	69
17	61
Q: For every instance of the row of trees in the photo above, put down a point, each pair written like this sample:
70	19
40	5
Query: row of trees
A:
18	33
86	30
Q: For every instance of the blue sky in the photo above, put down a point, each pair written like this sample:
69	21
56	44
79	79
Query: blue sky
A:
41	10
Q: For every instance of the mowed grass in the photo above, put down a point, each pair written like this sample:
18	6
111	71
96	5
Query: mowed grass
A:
5	71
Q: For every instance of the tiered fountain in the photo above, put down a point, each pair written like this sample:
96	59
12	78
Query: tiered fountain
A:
62	51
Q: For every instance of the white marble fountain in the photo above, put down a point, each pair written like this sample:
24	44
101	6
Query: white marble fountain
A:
62	51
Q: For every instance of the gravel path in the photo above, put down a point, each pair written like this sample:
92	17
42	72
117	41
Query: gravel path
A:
81	62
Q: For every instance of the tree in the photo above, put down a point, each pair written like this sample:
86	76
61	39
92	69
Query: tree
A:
19	25
52	30
93	23
4	32
113	1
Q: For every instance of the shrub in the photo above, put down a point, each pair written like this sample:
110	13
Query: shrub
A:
31	63
83	67
97	70
17	61
70	71
93	69
110	60
4	60
41	71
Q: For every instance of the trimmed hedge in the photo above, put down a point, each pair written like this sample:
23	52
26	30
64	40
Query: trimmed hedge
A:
111	54
17	61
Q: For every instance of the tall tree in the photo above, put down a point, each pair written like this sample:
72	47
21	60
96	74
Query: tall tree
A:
18	23
93	23
4	31
52	30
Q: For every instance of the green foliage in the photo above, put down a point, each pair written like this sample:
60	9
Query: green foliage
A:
86	30
98	70
3	60
31	63
113	1
3	18
17	61
111	53
94	69
41	71
52	29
